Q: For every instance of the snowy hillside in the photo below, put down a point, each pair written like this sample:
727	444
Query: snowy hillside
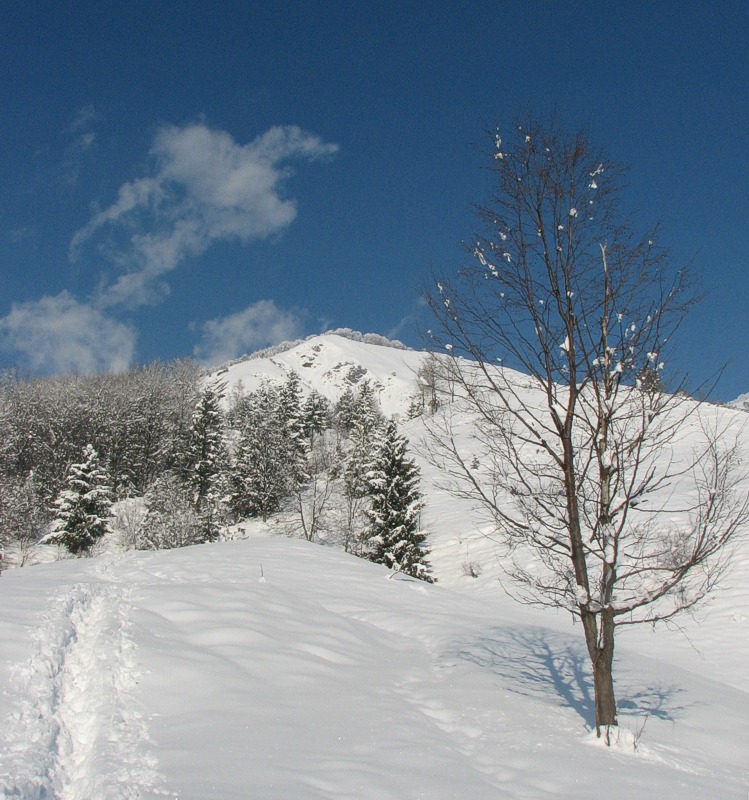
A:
274	668
458	534
331	363
742	402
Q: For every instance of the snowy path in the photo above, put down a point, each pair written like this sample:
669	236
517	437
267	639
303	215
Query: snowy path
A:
276	669
76	731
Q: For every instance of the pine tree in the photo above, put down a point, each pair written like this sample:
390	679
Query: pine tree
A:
206	444
84	507
315	415
290	401
207	458
394	534
343	413
364	431
357	407
289	414
261	476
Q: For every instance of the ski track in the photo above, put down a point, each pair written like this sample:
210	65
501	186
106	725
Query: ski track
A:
76	732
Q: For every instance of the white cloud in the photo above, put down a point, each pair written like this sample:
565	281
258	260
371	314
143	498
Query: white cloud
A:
260	325
60	335
84	119
81	139
205	188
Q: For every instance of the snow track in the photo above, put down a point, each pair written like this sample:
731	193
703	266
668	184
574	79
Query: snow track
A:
76	732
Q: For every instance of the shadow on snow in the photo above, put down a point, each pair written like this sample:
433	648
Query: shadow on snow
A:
535	662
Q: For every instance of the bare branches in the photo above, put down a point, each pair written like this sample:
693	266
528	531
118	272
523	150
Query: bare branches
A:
616	498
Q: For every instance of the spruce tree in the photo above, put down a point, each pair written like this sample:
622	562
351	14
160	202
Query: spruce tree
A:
290	401
364	433
394	535
261	475
207	458
290	416
84	507
315	415
343	413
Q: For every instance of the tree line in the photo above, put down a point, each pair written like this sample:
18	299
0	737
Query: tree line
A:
169	460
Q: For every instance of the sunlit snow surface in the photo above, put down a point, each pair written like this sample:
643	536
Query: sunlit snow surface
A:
187	674
273	668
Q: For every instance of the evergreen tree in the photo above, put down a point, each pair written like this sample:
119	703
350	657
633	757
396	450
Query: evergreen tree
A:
290	402
343	413
84	507
289	414
171	519
315	415
364	429
394	534
358	413
207	458
261	476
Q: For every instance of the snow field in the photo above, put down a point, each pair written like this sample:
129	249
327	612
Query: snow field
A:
186	674
273	668
76	706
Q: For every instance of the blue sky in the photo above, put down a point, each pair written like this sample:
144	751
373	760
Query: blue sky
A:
203	179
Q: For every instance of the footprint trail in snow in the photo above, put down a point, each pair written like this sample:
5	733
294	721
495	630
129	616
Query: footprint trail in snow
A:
77	731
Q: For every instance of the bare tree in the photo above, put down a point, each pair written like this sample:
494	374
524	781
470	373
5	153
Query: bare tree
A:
23	518
312	496
615	499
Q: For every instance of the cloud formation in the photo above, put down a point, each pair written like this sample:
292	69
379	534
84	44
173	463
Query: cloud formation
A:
260	325
80	137
57	334
204	188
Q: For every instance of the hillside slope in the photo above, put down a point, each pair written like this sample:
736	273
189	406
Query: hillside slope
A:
274	668
330	364
461	539
278	669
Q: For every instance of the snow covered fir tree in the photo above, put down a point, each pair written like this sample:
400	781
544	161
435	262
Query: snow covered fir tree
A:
84	508
394	535
263	465
207	458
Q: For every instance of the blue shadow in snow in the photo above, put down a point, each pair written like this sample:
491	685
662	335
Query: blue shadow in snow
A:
536	661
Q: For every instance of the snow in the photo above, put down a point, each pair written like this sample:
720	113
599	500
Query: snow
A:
329	363
274	668
183	674
741	402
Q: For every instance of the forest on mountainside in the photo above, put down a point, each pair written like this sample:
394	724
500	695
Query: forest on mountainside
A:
171	459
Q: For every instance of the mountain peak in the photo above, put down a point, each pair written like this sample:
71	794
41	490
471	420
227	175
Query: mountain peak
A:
332	362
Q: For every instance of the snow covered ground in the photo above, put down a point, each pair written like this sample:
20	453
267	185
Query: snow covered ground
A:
273	668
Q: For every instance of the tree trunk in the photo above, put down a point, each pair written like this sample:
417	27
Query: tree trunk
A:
599	635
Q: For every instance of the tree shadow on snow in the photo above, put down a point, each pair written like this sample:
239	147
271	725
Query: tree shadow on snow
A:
535	662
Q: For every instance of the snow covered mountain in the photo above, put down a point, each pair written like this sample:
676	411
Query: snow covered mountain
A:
742	402
331	363
274	668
